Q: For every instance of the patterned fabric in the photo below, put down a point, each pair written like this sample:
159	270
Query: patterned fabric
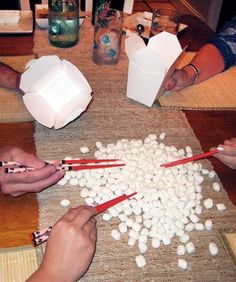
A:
225	41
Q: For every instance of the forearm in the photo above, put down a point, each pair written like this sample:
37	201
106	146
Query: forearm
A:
40	275
208	61
9	78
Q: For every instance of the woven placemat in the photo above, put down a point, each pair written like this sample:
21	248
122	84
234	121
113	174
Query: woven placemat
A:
18	263
216	93
12	108
109	117
228	238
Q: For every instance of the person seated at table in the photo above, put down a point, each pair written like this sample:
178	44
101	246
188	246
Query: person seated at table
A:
70	247
16	184
216	56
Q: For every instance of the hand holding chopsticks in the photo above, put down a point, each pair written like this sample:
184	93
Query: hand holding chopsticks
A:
66	165
191	159
41	236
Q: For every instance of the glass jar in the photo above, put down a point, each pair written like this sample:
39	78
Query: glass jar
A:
63	20
107	37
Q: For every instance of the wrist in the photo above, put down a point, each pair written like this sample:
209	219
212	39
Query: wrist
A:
46	275
192	73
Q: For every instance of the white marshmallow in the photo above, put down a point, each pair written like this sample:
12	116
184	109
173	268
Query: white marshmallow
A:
208	224
140	260
211	174
84	150
142	248
199	226
190	248
213	249
65	203
115	234
181	250
184	238
123	227
221	207
182	264
216	186
208	203
106	216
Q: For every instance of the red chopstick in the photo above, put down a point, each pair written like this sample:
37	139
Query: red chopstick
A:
41	236
102	207
190	159
82	161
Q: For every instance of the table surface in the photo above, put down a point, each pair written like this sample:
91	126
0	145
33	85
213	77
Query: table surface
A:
19	216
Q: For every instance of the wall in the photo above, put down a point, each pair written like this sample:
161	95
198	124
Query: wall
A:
207	10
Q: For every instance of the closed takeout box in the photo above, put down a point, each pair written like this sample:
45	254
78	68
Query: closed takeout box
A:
56	92
150	65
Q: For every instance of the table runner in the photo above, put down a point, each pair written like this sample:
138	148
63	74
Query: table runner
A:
12	108
112	116
114	260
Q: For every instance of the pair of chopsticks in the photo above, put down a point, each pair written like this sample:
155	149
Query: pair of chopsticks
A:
66	165
191	159
41	236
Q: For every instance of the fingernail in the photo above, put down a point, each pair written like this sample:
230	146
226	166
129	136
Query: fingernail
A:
219	148
167	86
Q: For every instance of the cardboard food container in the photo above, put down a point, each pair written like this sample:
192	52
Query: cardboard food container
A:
56	92
150	65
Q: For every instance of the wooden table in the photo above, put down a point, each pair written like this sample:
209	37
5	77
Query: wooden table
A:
19	216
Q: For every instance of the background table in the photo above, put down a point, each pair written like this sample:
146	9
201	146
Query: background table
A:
19	216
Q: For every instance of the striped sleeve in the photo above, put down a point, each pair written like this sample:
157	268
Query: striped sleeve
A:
225	42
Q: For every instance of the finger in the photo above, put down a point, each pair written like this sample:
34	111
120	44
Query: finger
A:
227	160
31	161
233	140
22	188
230	142
93	234
227	150
89	226
170	83
34	176
177	81
25	158
84	216
72	213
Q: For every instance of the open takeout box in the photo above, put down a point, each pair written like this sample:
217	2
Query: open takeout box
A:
56	92
151	65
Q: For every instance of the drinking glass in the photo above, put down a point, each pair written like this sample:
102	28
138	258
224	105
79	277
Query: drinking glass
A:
107	37
164	20
63	21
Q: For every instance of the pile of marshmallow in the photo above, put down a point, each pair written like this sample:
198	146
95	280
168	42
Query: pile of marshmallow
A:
168	203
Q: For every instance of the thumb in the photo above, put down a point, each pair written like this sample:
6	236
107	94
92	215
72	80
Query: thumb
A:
170	83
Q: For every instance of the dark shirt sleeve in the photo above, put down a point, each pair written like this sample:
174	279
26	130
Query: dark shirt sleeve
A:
225	42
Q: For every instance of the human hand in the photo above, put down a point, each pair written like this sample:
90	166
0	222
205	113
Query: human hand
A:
9	77
16	184
70	247
228	154
180	79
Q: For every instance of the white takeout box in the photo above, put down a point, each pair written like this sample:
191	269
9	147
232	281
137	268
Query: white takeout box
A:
150	65
56	92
